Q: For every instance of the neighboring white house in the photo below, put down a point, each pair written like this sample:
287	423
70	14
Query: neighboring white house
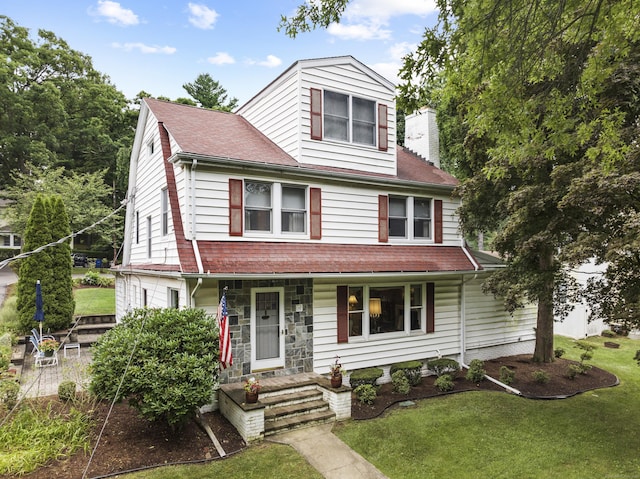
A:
576	325
8	239
331	238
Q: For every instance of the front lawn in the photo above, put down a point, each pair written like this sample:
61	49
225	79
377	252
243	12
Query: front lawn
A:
95	301
493	434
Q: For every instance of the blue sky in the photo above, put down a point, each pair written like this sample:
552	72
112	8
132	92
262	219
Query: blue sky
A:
159	45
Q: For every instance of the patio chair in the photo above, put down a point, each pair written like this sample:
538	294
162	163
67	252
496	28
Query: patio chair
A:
36	335
41	359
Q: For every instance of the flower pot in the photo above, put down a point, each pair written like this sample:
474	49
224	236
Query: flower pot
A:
250	398
336	381
48	354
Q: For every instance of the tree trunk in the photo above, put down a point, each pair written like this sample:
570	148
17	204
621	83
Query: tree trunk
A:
543	352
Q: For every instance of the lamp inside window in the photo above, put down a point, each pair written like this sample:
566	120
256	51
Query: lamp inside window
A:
375	307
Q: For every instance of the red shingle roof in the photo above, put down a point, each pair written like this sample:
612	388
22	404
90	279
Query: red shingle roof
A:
221	257
216	133
226	135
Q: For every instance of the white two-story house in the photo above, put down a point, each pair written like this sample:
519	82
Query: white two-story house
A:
331	238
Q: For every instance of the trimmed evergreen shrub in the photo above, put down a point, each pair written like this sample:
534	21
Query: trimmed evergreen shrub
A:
444	383
174	365
540	377
476	371
507	375
400	382
366	393
365	376
411	369
442	366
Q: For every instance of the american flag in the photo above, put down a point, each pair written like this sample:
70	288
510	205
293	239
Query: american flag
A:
226	359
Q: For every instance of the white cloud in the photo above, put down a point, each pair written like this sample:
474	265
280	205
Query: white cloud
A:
221	58
202	16
388	70
272	61
142	48
369	19
114	13
399	50
358	31
382	10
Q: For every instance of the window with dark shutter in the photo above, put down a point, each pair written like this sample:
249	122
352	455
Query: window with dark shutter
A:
431	310
343	313
383	218
315	213
316	114
437	221
235	207
383	130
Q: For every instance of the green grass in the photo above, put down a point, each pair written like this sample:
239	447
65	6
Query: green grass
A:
95	301
35	435
493	434
265	461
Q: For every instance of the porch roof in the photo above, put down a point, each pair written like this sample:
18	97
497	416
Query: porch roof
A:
226	257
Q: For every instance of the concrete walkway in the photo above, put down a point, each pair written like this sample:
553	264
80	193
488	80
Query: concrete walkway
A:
328	454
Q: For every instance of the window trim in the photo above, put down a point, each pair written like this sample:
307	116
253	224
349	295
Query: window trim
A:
321	133
411	217
173	294
427	311
149	244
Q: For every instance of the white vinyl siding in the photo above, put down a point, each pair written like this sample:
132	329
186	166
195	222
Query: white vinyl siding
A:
282	112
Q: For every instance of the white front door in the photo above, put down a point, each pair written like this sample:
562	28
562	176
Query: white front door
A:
267	328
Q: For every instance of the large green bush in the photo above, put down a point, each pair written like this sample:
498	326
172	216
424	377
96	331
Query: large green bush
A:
174	362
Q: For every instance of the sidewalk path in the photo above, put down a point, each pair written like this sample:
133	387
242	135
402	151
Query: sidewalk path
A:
328	454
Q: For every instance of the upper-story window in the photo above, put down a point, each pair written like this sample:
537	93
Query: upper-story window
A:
164	206
258	205
409	217
274	208
150	147
349	118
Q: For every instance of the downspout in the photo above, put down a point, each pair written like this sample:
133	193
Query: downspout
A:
463	328
194	242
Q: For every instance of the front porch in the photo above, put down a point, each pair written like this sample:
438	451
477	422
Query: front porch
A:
285	403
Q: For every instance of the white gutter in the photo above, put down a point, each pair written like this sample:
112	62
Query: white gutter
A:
470	257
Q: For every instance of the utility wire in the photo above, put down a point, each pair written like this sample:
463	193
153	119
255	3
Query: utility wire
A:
5	262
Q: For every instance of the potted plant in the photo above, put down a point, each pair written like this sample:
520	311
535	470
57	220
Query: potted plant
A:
251	389
336	371
48	346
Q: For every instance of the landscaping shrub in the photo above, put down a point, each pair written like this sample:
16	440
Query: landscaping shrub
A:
637	357
540	376
558	352
607	333
400	382
9	390
366	393
442	366
365	376
174	365
444	383
67	391
411	369
507	375
476	371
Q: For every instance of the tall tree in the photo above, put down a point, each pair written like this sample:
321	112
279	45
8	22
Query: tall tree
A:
55	108
60	291
36	267
209	93
524	91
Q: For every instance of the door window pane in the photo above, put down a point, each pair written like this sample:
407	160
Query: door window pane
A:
267	325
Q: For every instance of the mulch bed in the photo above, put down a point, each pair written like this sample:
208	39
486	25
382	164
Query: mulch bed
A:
130	442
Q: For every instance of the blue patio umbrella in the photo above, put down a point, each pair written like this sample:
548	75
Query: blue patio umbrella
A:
39	314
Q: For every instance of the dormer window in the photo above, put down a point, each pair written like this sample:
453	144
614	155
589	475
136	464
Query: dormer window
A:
348	118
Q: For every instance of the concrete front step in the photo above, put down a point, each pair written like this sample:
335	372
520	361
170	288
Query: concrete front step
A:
285	399
293	422
278	413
